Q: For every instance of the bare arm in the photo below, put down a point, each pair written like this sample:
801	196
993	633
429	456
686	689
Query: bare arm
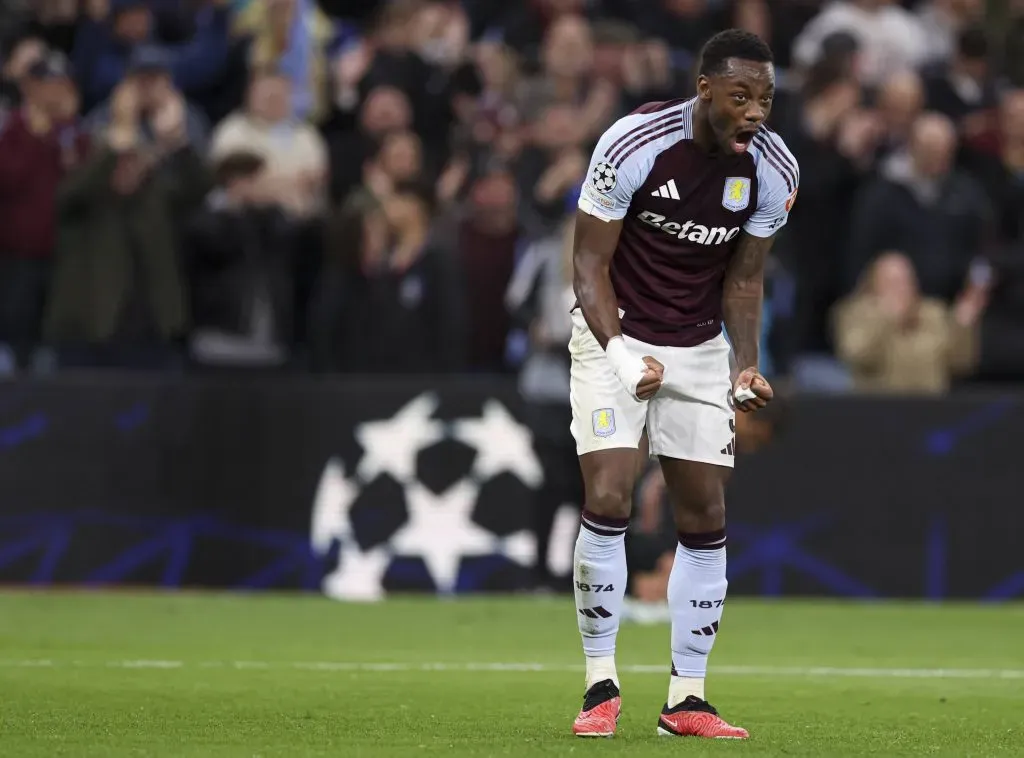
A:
593	247
743	296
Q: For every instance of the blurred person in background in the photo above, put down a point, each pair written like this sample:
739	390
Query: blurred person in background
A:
540	297
291	37
567	78
488	243
384	110
550	167
118	298
835	139
39	143
105	44
899	101
388	294
944	21
294	153
240	258
399	161
923	206
895	340
888	36
421	49
20	55
150	77
1001	171
964	88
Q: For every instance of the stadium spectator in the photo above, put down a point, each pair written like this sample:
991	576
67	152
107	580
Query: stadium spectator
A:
888	36
566	79
241	259
488	241
551	166
39	143
21	54
835	140
117	296
924	206
900	100
384	110
150	76
895	340
943	21
293	151
105	43
399	161
291	37
388	294
1002	170
964	88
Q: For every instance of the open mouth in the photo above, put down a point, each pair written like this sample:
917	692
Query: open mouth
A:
741	141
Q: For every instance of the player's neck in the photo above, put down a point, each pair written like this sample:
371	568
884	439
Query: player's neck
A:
703	136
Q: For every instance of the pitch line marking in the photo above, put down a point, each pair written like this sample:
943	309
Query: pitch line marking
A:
349	666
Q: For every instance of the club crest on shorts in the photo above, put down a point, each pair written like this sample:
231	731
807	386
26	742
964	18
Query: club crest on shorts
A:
736	195
603	422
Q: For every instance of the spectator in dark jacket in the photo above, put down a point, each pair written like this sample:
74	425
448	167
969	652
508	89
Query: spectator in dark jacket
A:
240	252
388	295
921	204
117	297
103	49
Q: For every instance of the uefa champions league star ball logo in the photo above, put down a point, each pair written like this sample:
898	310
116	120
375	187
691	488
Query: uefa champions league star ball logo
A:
603	178
438	527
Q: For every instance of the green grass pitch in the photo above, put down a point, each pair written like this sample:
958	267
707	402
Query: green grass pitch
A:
274	675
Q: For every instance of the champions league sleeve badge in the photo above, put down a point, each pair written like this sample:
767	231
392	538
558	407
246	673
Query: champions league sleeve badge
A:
603	177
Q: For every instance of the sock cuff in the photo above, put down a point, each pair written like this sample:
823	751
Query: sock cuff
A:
606	526
703	541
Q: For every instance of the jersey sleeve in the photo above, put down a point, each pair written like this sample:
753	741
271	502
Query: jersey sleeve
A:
778	179
614	174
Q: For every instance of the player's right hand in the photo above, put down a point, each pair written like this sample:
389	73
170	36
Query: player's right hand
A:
650	383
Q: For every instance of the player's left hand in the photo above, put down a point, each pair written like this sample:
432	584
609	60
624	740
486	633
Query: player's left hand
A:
750	380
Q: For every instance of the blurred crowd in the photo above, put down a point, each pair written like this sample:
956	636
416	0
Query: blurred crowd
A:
356	185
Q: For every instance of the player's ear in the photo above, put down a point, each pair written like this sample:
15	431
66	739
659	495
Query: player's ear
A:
703	88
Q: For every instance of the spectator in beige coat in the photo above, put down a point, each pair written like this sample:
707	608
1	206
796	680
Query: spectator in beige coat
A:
293	151
894	340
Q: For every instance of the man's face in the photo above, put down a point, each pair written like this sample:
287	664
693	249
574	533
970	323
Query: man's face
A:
739	100
154	87
133	24
270	98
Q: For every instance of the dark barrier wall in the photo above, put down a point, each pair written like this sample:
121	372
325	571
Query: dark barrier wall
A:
357	486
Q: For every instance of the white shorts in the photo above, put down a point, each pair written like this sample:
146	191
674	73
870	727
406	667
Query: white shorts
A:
690	418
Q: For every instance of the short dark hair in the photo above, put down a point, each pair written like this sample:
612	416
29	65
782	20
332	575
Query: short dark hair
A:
973	43
732	43
237	165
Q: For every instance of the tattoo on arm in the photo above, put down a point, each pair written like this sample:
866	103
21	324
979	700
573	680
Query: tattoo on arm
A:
742	297
593	247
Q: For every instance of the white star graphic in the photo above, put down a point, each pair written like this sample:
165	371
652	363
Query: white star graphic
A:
334	497
359	575
502	444
390	446
520	547
441	531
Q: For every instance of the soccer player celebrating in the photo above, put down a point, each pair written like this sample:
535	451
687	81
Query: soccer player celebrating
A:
675	220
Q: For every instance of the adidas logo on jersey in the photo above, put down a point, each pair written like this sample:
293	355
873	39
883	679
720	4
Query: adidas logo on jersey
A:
690	231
